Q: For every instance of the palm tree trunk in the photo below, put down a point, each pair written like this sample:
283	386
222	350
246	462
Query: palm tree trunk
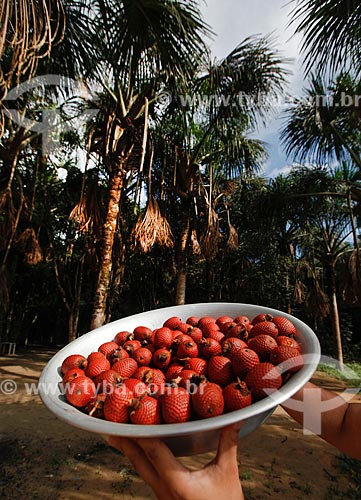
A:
335	320
182	257
105	265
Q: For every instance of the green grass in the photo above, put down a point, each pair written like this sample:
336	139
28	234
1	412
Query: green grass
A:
351	373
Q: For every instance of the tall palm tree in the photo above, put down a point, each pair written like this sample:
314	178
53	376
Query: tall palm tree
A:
211	126
331	33
140	45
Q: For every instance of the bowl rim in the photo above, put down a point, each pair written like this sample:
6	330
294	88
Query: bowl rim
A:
56	403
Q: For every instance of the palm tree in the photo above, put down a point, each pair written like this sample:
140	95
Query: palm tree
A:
331	34
139	46
209	128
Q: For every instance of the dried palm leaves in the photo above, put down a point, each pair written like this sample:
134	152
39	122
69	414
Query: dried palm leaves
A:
152	229
30	245
210	237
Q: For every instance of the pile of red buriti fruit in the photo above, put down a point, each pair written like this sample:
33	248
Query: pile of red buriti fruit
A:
183	371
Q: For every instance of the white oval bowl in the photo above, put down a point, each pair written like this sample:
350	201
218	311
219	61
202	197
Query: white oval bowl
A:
188	438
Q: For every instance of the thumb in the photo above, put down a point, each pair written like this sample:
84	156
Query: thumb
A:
227	447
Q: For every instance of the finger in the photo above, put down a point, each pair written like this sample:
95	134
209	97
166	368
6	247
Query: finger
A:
161	457
227	447
138	458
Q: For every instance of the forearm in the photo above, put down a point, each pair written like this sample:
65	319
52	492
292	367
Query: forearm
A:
336	422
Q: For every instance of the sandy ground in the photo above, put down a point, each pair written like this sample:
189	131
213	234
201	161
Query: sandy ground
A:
43	458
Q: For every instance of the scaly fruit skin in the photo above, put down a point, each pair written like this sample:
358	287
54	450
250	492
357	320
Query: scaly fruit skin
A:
186	378
220	370
107	348
243	361
288	341
72	374
118	354
261	317
146	411
97	366
172	323
187	349
95	407
142	356
199	365
137	387
264	328
131	345
192	320
107	381
80	391
208	400
236	396
142	333
209	328
205	320
173	371
149	375
223	319
176	405
232	345
122	337
243	320
238	331
162	358
261	378
263	345
195	334
289	359
210	347
125	367
163	337
285	326
117	405
73	361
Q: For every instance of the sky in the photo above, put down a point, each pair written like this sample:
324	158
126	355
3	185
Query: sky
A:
233	21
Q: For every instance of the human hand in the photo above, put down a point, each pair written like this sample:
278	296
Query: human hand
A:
170	480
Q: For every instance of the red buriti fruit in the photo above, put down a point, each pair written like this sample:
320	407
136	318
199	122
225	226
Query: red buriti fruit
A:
117	405
172	323
288	341
143	356
225	327
205	320
118	354
264	328
263	345
217	335
163	337
242	320
223	319
122	337
176	405
236	396
199	365
107	381
179	338
93	356
238	331
143	334
125	367
195	334
187	378
149	375
131	345
220	370
96	366
173	371
187	349
210	347
261	317
95	407
243	360
184	328
145	411
208	328
162	358
107	348
285	326
80	391
192	320
73	361
137	387
208	400
289	359
71	374
263	379
232	345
